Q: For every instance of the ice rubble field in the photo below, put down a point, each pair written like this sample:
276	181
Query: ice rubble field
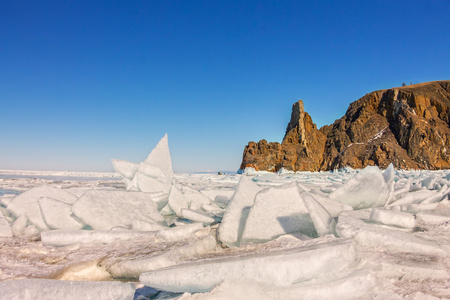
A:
146	233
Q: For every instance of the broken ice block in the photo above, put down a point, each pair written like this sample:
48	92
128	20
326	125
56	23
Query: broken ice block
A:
177	200
27	203
160	158
393	218
104	210
233	222
370	235
58	215
125	168
178	233
173	256
365	190
281	268
277	211
197	216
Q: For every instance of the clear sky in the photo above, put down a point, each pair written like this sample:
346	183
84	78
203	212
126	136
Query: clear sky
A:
82	82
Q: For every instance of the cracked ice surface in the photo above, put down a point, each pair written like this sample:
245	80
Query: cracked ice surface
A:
396	225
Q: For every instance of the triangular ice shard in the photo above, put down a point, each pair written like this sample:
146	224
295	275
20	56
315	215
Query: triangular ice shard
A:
160	158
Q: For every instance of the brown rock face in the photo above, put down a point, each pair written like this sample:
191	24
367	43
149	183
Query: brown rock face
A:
407	126
302	147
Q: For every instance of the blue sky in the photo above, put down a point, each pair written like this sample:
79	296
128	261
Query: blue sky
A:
82	82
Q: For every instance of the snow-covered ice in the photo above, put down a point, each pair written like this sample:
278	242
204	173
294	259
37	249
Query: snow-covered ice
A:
282	268
31	289
347	234
134	268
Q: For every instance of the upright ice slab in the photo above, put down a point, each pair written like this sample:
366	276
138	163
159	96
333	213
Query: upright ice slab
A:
152	175
282	210
160	158
281	268
104	210
365	190
233	222
177	201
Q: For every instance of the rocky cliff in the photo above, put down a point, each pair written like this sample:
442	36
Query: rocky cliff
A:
407	126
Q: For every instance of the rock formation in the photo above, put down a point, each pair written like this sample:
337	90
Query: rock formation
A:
407	126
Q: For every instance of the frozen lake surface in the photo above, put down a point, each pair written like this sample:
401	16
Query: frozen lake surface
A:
332	250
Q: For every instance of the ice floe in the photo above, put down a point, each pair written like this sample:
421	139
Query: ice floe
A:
346	234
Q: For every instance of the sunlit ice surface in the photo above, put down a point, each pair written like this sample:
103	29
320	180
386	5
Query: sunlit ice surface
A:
344	234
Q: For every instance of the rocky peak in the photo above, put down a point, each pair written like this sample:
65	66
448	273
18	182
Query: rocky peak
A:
295	131
302	146
407	126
